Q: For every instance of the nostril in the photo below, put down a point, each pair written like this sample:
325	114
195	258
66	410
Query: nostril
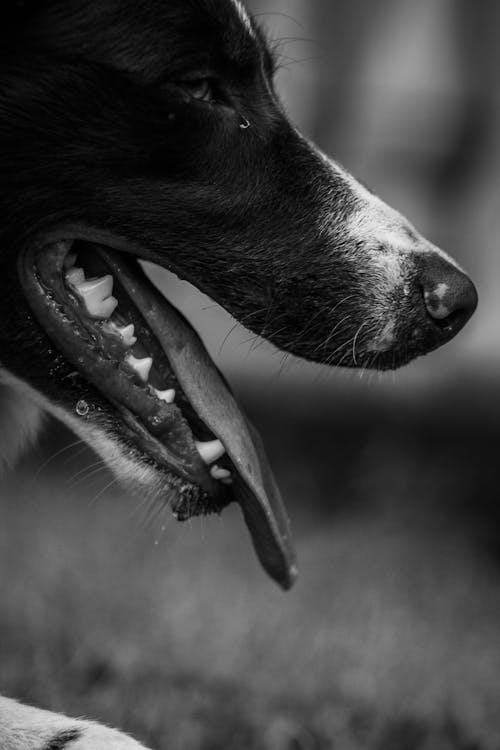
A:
437	302
450	297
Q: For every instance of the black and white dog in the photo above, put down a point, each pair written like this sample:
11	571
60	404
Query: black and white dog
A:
153	131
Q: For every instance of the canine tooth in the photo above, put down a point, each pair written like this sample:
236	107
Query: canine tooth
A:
219	473
141	366
75	276
96	295
210	451
167	396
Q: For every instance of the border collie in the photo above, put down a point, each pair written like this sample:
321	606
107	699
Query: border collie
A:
153	131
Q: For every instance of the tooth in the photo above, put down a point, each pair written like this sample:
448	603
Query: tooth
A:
219	473
106	308
100	288
211	450
96	295
141	366
126	333
168	396
75	276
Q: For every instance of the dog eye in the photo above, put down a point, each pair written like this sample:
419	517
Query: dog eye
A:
201	89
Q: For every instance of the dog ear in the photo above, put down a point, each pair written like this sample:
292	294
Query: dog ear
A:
20	420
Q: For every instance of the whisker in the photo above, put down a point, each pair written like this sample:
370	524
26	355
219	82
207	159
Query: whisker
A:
296	61
84	449
324	344
335	329
354	340
101	492
99	462
292	40
56	454
88	476
331	358
227	336
277	14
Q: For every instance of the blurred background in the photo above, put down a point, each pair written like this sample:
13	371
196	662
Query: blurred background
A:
390	639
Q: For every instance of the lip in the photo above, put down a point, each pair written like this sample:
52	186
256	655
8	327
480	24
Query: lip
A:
162	432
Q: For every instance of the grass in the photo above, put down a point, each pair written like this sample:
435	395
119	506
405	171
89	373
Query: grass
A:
389	641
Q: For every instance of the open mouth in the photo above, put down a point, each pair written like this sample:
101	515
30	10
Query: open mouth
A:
157	380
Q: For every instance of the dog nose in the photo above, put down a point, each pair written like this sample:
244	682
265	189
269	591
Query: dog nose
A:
450	297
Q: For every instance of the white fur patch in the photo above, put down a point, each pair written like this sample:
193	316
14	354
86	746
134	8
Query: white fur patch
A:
26	728
21	410
376	224
21	419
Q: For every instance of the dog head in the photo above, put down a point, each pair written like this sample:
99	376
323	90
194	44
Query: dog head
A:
155	132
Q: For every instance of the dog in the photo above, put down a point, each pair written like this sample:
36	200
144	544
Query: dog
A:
153	132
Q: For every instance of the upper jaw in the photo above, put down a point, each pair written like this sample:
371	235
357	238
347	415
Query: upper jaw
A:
167	438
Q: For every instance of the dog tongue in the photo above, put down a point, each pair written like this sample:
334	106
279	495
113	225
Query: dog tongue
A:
254	486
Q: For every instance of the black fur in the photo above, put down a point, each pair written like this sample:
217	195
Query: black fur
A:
99	129
96	127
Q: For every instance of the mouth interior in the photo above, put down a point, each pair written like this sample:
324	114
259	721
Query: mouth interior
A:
123	337
98	290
